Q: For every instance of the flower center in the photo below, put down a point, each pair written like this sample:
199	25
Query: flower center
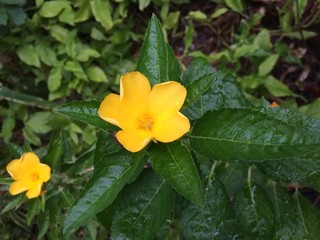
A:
35	177
145	122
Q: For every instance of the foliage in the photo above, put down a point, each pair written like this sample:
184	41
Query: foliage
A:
225	179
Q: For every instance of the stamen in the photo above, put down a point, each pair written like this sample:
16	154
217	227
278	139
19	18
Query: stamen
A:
146	122
35	177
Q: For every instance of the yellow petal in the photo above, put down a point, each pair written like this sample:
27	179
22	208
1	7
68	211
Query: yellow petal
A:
21	168
35	191
20	186
44	172
166	96
134	140
170	126
110	109
134	87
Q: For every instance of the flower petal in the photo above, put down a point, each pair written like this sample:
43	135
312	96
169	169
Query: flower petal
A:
44	172
134	140
13	168
135	88
35	191
19	187
170	126
110	109
166	96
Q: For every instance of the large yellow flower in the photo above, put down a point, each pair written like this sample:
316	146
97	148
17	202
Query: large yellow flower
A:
29	175
144	114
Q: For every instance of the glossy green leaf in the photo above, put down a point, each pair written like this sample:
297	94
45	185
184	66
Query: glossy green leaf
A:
267	65
102	10
256	134
204	222
254	211
109	177
84	111
157	60
51	9
143	208
54	79
174	162
224	93
28	55
291	170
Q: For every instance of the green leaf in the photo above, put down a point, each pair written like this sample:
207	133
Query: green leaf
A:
46	53
254	211
59	33
3	16
204	222
277	88
142	208
16	14
267	65
105	145
101	10
157	60
174	162
262	40
143	4
55	150
217	13
31	137
14	2
51	9
15	204
171	20
44	224
7	128
84	111
54	79
237	6
96	74
256	134
109	177
38	122
18	97
311	109
198	16
291	170
15	150
224	93
33	209
28	55
85	53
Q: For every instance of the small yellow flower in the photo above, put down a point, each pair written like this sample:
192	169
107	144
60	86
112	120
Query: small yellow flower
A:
144	114
29	175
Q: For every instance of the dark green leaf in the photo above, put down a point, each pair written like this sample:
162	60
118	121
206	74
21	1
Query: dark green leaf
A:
254	211
44	224
109	177
3	17
84	111
142	208
15	150
174	162
157	60
14	2
10	95
105	145
204	222
256	134
33	209
55	150
224	93
15	203
16	14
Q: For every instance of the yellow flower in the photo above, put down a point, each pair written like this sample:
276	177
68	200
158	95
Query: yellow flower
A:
144	114
29	175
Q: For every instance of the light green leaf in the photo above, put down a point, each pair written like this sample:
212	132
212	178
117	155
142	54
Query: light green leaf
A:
267	65
219	12
143	4
7	128
171	20
101	10
157	60
257	135
198	16
174	162
96	74
51	9
38	122
262	40
28	55
109	177
31	137
237	6
54	79
311	109
85	53
59	33
45	52
277	88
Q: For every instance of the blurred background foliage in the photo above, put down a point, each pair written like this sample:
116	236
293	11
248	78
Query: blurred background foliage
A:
59	51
